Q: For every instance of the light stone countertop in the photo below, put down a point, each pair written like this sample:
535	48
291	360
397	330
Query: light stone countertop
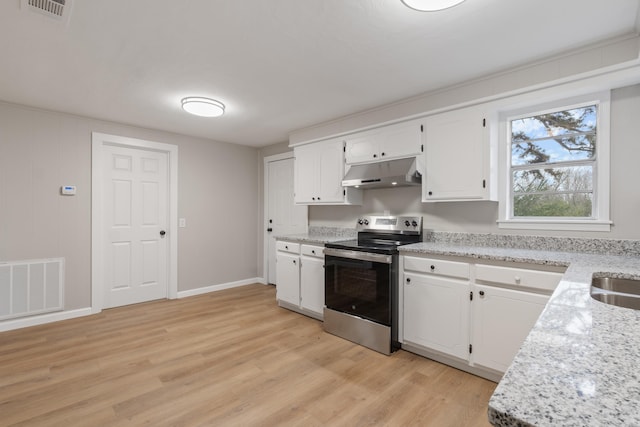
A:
320	235
580	365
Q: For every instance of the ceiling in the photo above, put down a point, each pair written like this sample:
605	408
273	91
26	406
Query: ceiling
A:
278	65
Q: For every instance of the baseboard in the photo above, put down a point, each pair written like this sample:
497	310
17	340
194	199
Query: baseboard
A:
214	288
41	319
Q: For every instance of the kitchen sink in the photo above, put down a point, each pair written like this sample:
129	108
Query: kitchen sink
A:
618	292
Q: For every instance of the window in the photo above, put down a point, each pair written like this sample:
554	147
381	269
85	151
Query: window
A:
557	165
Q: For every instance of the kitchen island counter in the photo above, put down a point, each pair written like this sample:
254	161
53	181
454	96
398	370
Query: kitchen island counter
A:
580	365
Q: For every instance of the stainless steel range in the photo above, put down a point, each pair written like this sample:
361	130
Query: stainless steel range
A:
361	281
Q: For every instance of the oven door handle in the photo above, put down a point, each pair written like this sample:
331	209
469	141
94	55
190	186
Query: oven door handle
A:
359	255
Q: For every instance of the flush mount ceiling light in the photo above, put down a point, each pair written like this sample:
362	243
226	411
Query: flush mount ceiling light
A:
430	5
203	107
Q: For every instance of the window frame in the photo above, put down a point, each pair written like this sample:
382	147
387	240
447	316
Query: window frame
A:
600	220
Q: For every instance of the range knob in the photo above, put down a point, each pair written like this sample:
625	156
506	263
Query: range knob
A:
360	221
366	222
407	223
414	223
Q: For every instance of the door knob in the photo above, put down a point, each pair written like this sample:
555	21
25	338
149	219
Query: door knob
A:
162	233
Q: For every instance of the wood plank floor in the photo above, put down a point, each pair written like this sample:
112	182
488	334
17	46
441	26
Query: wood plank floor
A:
229	358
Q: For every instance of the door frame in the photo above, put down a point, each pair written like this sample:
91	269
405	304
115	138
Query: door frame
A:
98	141
265	216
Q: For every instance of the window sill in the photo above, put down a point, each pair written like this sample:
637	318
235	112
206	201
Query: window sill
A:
566	225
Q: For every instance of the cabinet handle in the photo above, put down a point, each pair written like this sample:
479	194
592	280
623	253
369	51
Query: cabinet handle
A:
382	153
294	261
408	279
517	279
375	155
313	252
430	193
286	247
313	198
481	293
318	198
433	267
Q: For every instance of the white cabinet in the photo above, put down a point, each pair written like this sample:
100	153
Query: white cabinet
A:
502	319
300	278
388	142
436	305
436	314
312	279
319	169
288	272
474	316
507	303
457	163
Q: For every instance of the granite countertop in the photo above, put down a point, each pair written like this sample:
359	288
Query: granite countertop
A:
320	235
580	365
319	239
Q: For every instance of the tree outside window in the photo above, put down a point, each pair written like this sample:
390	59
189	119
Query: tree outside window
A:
553	158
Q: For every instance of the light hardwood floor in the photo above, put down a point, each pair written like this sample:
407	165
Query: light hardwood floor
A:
229	358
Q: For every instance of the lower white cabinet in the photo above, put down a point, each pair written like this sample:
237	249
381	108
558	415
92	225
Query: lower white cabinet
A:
300	278
436	313
473	316
502	319
288	278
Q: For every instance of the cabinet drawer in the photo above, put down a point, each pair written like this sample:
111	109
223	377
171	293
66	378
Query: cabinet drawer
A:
312	251
437	267
519	277
293	248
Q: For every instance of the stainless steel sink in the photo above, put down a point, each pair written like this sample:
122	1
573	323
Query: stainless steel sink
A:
618	292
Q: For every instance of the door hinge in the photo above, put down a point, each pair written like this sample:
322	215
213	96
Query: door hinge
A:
422	148
421	128
484	183
344	192
484	123
470	296
470	348
344	148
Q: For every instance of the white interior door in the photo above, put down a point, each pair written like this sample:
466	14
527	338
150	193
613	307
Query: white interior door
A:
283	215
135	220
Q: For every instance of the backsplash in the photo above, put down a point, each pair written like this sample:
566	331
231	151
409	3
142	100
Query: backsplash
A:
543	243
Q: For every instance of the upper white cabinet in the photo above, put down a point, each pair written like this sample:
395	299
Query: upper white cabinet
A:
319	169
388	142
457	158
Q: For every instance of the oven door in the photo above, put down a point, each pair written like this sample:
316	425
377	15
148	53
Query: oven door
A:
360	283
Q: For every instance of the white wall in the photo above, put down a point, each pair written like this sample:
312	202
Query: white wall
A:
480	217
41	151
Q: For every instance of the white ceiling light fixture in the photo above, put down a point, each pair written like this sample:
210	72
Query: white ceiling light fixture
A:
203	107
431	5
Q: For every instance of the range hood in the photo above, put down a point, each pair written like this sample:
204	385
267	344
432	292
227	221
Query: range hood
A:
391	173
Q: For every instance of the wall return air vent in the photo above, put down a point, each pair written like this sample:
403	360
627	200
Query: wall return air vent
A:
58	9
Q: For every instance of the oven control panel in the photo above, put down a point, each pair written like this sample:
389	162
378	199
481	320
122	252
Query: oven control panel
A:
390	223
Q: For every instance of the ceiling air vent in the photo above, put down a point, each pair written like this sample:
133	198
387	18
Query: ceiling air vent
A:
59	9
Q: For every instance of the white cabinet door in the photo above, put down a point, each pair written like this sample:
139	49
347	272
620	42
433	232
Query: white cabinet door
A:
288	278
330	172
436	314
312	284
306	168
456	156
389	142
361	149
502	319
319	169
400	142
